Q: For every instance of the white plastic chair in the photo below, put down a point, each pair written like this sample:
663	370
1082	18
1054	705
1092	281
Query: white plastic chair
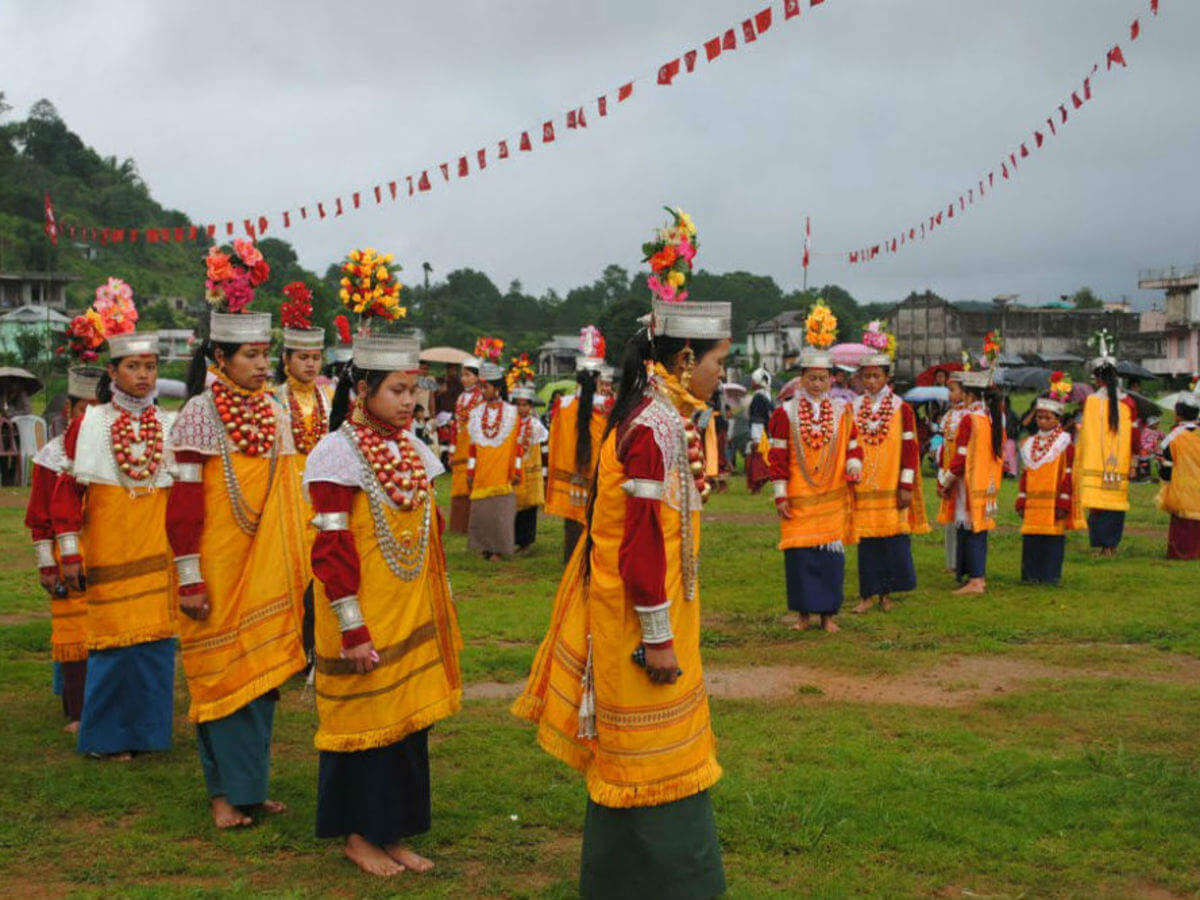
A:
31	437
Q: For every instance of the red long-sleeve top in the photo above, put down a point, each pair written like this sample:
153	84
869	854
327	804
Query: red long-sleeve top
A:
66	501
642	557
185	516
910	447
334	556
779	433
1062	499
37	512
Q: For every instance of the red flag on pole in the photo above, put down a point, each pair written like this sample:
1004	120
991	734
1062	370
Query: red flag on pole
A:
51	227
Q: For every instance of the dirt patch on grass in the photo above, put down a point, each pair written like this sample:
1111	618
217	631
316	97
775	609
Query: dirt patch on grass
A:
23	617
14	498
956	681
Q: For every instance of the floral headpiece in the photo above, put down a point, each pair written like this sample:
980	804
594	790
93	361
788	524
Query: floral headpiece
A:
369	288
878	338
967	362
231	280
820	326
670	255
296	311
112	313
489	348
520	370
1060	386
992	345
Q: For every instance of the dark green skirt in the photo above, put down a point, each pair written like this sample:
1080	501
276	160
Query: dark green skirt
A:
668	852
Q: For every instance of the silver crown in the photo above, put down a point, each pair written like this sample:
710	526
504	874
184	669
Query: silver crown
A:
82	381
699	321
1049	405
239	328
304	339
132	343
978	379
489	371
815	358
387	353
524	391
876	359
589	363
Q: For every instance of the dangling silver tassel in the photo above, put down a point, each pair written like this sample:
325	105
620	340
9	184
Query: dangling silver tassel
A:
587	701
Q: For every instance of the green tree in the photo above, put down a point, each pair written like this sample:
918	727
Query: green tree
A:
30	347
1085	298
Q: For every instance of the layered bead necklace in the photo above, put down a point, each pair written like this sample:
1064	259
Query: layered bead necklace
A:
403	477
467	402
247	416
307	431
816	431
1041	444
137	454
695	455
873	421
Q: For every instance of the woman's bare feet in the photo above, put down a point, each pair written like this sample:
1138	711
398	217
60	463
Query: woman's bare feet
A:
371	859
409	858
974	586
72	727
273	807
828	625
120	757
864	606
886	604
226	815
801	623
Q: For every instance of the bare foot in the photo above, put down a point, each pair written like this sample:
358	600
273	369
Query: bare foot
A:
273	807
886	604
973	587
369	858
864	606
226	815
830	626
409	858
120	757
72	727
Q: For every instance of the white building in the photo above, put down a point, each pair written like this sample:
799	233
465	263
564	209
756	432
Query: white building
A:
776	343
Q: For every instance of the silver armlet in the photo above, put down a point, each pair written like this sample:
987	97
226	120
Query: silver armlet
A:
188	569
348	612
643	488
656	623
331	521
189	473
45	554
780	490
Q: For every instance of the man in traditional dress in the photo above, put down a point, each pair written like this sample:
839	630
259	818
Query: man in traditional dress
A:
815	459
889	505
1180	469
761	408
108	511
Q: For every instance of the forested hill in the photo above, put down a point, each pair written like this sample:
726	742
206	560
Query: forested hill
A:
41	153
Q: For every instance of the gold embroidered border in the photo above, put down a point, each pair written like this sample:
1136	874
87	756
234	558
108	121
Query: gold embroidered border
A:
383	690
120	571
161	589
328	665
226	663
253	617
565	655
652	716
657	751
825	497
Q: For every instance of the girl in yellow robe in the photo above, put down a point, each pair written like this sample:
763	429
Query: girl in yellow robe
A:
387	632
493	468
617	689
235	524
1105	457
531	491
1045	495
1180	492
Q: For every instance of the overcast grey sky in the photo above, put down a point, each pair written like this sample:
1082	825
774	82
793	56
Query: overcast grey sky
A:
865	114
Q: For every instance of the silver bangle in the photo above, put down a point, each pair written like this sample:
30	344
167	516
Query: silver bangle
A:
45	554
780	490
188	569
656	623
189	473
778	443
348	612
68	544
643	488
906	476
331	521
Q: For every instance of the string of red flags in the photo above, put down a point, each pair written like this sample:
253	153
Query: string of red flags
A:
578	118
1010	162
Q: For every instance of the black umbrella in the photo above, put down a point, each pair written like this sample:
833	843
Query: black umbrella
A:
1027	378
1057	359
1146	406
1128	369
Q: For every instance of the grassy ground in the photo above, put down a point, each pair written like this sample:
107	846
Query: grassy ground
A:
1034	742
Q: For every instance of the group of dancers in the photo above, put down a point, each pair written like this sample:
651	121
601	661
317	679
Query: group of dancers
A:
205	533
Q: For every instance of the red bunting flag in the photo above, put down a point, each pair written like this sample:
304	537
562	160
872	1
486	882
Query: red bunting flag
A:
1004	169
762	19
602	105
228	227
481	158
287	219
51	226
247	226
1115	56
152	234
338	202
1134	30
262	225
211	229
445	167
1075	101
572	119
748	34
321	210
463	170
303	212
667	71
378	194
547	132
815	2
1154	7
392	189
807	241
356	200
526	144
791	8
409	178
503	153
191	233
624	92
1053	129
118	235
1087	89
689	60
729	41
1063	110
1024	150
423	184
1038	138
712	49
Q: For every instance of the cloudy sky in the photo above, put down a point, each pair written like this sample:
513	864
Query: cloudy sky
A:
866	115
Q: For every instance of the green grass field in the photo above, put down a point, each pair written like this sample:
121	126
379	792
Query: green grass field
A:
1033	742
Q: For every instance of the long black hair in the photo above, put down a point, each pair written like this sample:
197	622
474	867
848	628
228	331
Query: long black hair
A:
281	366
104	386
638	352
349	376
1106	374
586	379
206	352
994	400
501	387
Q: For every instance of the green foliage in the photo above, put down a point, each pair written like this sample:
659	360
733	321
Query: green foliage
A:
30	348
1085	298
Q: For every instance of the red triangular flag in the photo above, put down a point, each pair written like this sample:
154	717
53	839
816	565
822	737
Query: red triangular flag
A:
463	170
423	184
1154	7
729	41
1053	129
624	92
791	8
950	212
246	224
1134	30
712	49
689	60
1115	56
392	189
582	118
378	194
262	228
572	122
526	144
481	158
1087	89
748	34
762	20
667	71
602	105
321	210
504	149
1004	169
1063	109
411	191
1038	138
356	198
1024	151
1075	101
287	219
445	167
339	207
547	132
